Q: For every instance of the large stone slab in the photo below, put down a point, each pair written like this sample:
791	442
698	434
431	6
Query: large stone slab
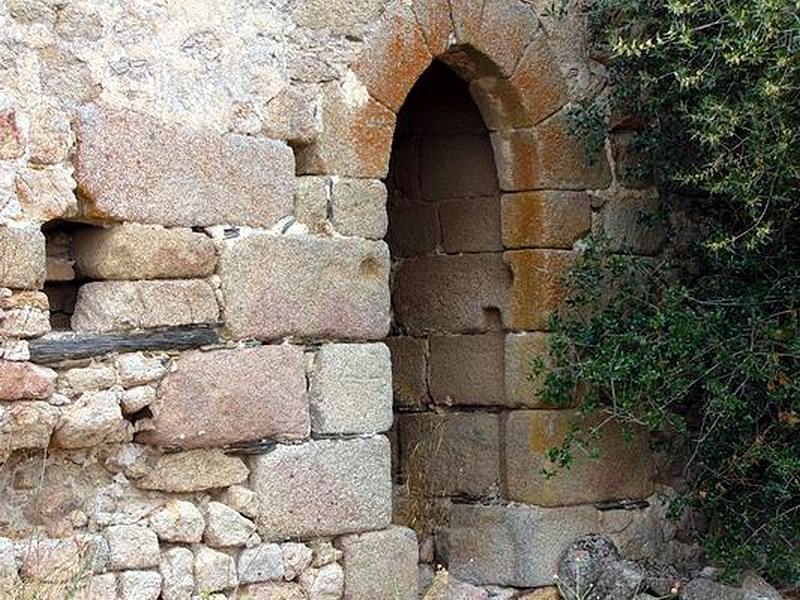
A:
134	251
22	261
467	369
131	167
545	219
624	468
380	565
229	396
277	286
104	306
323	488
351	389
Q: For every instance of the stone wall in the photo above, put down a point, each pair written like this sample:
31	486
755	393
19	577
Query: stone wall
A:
196	387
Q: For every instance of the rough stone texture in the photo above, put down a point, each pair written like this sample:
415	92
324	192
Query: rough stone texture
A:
241	499
93	419
357	134
537	290
451	454
23	380
214	571
137	369
471	225
311	202
137	398
545	219
139	585
458	294
279	286
326	583
134	251
517	156
323	487
409	371
131	547
177	573
194	471
275	591
22	262
623	470
520	350
358	207
45	194
291	116
48	560
632	224
226	527
26	425
413	228
261	563
350	389
467	369
172	175
93	378
178	521
24	322
337	17
229	396
592	562
119	305
296	558
380	565
706	589
457	166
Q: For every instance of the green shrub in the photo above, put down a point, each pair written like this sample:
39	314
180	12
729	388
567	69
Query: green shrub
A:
710	354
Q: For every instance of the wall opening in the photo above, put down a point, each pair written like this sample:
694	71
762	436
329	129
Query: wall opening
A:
449	285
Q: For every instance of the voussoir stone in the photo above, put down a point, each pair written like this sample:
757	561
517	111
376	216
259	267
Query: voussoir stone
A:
22	262
277	286
194	471
228	396
131	167
104	306
23	380
135	251
323	487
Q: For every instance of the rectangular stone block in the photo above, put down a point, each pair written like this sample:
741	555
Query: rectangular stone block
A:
134	251
537	290
121	305
359	207
22	260
409	371
516	156
468	369
413	228
193	471
231	396
450	454
459	294
350	389
276	286
471	225
463	167
311	201
624	468
131	167
520	351
323	488
545	219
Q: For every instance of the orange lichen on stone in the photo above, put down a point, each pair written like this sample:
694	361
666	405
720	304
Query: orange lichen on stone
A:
516	157
536	289
544	219
436	23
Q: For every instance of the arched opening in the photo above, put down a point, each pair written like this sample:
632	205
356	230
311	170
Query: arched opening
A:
449	288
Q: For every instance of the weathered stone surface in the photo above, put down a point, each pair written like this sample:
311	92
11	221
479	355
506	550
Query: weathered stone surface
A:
136	398
537	290
45	194
23	380
359	207
178	521
22	262
24	322
707	589
241	499
326	583
137	369
50	135
93	378
443	586
104	306
545	219
93	419
323	487
139	585
296	558
226	527
464	166
26	425
547	593
177	573
275	591
101	587
351	389
261	563
592	562
467	369
413	228
290	116
12	137
394	57
214	571
131	547
623	469
134	251
380	565
48	560
471	225
194	471
631	223
311	201
451	454
336	16
228	396
456	294
517	157
172	175
409	370
313	287
436	24
521	389
357	134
